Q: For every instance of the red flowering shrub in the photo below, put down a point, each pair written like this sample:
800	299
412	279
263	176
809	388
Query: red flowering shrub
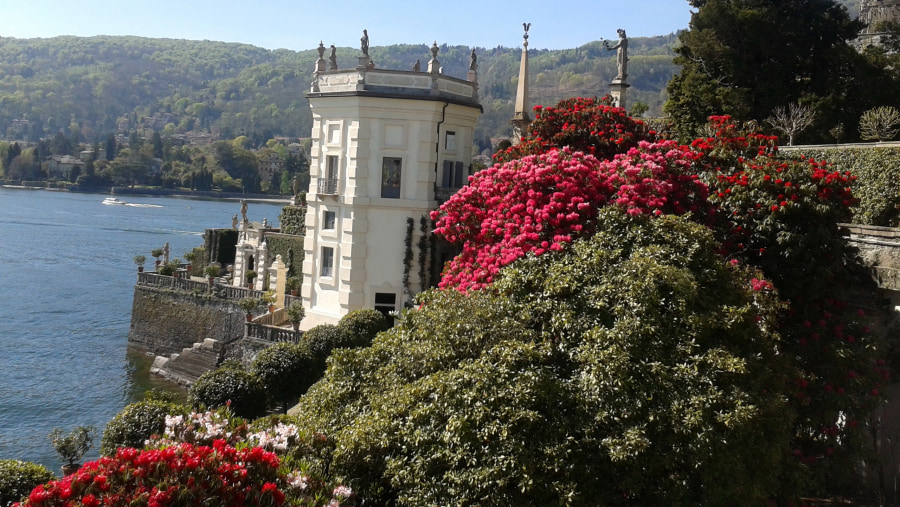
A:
223	458
541	202
590	125
781	216
773	213
178	475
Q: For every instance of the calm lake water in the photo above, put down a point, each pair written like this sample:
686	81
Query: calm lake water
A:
66	287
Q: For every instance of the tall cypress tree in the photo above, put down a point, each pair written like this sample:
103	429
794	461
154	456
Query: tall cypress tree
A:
747	57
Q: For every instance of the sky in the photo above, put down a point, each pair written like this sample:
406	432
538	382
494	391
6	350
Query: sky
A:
300	24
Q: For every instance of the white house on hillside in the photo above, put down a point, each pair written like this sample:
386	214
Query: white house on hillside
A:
384	144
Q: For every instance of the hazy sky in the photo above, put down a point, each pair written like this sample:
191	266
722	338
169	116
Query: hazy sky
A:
301	24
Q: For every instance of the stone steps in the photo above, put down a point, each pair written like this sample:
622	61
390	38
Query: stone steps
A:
186	367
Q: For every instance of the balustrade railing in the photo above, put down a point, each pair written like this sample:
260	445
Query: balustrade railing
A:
272	334
187	285
328	186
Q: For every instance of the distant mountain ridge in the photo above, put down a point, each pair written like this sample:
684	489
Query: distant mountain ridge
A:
91	86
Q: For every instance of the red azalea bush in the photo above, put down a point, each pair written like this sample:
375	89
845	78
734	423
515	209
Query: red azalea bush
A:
781	215
202	456
589	125
541	202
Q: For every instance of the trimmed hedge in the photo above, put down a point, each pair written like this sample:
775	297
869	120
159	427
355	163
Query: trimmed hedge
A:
18	478
230	383
136	423
878	180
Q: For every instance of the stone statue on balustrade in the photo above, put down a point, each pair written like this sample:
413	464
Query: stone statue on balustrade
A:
621	48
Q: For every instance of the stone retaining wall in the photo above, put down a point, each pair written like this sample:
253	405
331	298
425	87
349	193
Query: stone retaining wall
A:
165	321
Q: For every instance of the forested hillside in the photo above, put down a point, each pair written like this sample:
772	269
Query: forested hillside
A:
88	87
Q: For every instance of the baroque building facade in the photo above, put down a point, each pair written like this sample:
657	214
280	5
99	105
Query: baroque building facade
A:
387	147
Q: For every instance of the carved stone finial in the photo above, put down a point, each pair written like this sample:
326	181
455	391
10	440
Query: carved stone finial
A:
321	49
434	50
526	26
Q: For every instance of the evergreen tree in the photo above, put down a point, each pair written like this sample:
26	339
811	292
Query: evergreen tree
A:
110	147
747	57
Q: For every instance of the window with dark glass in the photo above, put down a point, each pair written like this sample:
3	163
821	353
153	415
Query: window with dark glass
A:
390	177
454	175
385	302
327	261
328	219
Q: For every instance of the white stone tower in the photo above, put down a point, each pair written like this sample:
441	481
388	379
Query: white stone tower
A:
384	143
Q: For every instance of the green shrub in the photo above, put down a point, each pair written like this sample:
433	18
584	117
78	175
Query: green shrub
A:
18	478
286	370
361	326
136	423
218	387
636	367
322	339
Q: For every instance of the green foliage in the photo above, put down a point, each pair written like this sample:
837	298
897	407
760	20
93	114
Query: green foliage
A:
290	248
321	340
18	478
744	58
877	172
230	385
249	304
293	220
286	370
136	423
139	260
361	326
633	368
296	312
71	446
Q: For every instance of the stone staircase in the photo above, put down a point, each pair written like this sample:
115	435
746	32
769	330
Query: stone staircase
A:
186	367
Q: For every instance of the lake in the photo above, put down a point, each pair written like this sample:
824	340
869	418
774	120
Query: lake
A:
66	287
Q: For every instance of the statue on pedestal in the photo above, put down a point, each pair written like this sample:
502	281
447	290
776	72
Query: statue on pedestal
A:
166	253
473	63
332	59
244	210
621	48
364	43
417	67
234	222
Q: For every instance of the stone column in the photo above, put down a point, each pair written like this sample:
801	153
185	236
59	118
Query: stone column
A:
617	90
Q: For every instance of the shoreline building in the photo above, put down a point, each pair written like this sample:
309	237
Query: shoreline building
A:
875	13
388	147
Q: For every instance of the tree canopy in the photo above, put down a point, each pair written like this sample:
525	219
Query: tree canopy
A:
745	58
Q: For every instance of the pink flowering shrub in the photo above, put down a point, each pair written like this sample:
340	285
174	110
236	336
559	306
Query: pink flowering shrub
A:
539	203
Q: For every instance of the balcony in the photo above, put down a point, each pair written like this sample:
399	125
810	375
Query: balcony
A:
328	186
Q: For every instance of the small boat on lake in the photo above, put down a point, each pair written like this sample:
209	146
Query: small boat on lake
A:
113	200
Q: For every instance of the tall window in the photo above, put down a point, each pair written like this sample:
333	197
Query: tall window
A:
327	261
328	219
454	175
328	183
390	177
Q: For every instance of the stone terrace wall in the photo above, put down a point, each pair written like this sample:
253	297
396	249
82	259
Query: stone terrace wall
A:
165	321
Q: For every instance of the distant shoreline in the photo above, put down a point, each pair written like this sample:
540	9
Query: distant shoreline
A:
164	192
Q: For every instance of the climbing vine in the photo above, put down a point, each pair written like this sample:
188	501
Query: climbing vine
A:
424	225
408	254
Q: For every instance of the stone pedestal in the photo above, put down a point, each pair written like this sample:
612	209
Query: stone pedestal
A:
364	62
520	127
617	90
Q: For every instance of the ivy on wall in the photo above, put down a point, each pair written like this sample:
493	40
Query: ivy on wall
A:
293	220
290	248
425	225
408	253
